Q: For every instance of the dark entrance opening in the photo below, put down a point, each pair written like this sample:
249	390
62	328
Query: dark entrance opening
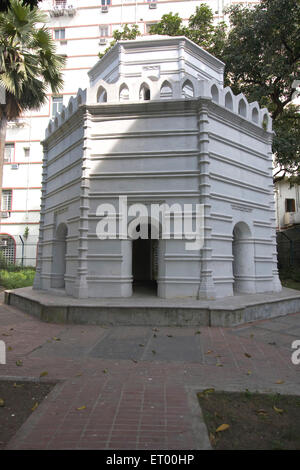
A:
144	265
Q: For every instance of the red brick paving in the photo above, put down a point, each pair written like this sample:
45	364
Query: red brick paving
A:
143	404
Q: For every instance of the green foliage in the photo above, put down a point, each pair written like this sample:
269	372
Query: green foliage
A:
14	280
170	25
262	55
200	29
28	62
126	33
4	4
26	232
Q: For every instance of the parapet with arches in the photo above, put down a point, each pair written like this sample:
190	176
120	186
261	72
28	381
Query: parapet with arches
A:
194	75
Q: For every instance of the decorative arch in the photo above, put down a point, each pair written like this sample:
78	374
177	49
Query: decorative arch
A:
101	95
145	94
265	121
242	109
228	101
215	93
145	253
243	266
166	90
187	89
124	93
255	115
59	256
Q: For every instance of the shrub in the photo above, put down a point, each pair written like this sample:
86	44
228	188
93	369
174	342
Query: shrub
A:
16	279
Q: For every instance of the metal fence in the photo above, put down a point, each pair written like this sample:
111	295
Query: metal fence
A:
20	254
288	248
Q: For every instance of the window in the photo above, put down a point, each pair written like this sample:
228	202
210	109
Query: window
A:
6	200
290	205
57	104
103	31
60	3
26	152
105	3
9	153
60	33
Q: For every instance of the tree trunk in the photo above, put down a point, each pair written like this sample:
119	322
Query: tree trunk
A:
3	126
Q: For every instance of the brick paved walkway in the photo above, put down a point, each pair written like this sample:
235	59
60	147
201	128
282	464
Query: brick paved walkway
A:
138	384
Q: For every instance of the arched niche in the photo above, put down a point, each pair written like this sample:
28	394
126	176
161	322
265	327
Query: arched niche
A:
215	93
145	94
187	89
124	93
166	90
242	109
228	101
101	95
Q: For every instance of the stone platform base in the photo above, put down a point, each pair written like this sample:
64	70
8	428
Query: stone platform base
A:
144	309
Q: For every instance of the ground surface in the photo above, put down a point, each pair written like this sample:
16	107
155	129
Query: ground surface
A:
256	421
136	387
17	401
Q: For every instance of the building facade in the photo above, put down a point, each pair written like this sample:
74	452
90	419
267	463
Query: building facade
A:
156	126
81	29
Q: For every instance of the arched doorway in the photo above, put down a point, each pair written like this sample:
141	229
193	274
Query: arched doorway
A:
145	263
243	260
59	257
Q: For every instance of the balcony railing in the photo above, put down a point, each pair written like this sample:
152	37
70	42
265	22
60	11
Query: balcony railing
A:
59	7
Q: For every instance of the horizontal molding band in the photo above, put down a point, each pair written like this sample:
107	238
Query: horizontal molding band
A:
233	143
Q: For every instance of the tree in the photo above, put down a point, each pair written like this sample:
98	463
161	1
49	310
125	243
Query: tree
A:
261	54
28	65
4	5
200	29
126	33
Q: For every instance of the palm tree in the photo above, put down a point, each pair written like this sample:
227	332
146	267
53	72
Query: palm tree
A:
28	65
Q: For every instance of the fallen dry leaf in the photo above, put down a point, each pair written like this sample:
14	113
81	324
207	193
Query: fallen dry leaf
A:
2	402
278	410
279	382
261	412
44	373
208	390
209	352
249	372
81	408
35	406
223	427
19	363
247	355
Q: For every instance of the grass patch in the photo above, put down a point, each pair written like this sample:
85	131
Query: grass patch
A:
16	279
256	421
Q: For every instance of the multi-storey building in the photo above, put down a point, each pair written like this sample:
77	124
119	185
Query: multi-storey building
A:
81	29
